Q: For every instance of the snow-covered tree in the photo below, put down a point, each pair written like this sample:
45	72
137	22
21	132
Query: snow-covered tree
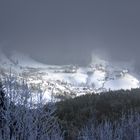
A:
22	117
127	128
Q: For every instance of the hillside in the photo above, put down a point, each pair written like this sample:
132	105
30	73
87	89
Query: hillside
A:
67	81
75	113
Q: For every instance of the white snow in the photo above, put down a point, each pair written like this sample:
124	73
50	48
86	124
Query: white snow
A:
98	76
126	82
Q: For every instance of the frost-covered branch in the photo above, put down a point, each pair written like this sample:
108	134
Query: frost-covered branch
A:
22	117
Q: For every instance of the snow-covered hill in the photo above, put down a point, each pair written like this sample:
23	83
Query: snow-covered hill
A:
68	80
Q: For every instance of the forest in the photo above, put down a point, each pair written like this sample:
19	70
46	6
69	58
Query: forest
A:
112	115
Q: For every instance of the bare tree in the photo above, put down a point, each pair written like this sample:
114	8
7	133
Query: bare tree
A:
127	128
24	118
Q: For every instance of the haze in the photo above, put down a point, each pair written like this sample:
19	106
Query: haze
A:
69	31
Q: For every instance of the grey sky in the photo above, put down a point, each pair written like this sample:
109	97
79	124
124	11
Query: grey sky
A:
68	31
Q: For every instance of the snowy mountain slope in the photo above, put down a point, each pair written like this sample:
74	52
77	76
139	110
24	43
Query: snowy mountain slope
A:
124	82
4	61
68	80
23	60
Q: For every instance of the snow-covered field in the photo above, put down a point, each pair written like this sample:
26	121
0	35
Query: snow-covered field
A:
68	80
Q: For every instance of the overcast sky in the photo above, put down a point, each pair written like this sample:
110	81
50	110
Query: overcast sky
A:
68	31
